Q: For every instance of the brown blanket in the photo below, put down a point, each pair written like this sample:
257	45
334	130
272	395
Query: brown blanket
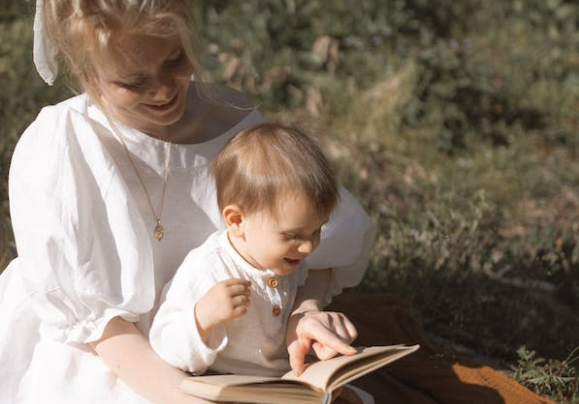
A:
426	376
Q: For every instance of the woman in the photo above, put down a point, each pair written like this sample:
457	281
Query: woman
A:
109	190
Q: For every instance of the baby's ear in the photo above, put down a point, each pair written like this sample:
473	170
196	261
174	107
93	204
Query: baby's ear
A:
234	220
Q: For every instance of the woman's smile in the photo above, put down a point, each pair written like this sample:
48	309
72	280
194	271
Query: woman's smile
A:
165	107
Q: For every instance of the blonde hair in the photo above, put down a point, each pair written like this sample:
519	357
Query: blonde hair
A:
268	161
82	29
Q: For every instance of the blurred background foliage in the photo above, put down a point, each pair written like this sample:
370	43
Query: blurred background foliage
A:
454	123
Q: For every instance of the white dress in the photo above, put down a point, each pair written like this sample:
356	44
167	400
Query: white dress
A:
86	250
253	344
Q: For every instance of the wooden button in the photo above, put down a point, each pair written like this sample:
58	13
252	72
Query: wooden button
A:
272	282
276	311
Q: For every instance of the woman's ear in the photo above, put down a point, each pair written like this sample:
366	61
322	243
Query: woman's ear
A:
234	220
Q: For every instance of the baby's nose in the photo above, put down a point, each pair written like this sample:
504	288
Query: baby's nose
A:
306	247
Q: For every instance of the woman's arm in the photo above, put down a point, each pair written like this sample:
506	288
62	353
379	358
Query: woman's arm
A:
328	333
126	351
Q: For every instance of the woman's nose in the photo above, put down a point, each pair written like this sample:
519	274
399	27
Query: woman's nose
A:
163	90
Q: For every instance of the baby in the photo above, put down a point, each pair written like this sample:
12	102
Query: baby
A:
226	309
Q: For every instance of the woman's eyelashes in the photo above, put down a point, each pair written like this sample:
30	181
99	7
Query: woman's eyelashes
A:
141	83
134	85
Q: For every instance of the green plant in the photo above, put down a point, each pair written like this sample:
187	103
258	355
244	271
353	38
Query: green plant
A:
556	379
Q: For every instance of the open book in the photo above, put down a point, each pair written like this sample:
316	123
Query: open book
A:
314	386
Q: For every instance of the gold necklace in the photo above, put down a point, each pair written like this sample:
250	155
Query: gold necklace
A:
159	231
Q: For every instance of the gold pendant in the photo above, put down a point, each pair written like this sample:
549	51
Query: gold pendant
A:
159	231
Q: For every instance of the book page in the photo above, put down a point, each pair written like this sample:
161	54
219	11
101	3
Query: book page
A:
335	372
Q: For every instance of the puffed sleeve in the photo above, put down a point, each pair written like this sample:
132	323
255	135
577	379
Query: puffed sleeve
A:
82	250
174	334
347	241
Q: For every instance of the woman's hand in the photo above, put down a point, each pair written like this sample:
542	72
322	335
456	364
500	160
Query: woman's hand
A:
328	333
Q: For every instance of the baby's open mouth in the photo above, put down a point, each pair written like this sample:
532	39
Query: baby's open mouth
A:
292	261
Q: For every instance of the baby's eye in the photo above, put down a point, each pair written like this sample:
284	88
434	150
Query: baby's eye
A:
291	236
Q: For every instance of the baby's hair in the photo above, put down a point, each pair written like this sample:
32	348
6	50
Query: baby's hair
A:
269	161
83	29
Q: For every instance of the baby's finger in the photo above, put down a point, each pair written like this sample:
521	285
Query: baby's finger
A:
345	329
240	301
239	289
333	344
239	311
323	352
297	351
237	281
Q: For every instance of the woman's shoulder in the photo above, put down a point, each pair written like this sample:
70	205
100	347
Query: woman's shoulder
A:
51	123
52	120
49	141
76	104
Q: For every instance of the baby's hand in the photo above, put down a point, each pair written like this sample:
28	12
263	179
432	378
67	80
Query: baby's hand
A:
225	301
328	333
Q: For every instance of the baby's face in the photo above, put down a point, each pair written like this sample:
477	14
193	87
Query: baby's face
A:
280	243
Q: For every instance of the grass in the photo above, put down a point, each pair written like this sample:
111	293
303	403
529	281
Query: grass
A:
456	128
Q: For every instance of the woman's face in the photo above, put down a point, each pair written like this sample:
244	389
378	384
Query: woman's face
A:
143	82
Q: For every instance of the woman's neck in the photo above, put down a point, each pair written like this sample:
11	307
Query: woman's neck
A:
209	113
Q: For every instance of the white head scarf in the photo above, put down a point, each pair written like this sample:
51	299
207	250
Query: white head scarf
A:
45	51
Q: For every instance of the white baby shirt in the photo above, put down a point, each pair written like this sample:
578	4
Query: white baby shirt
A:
252	344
